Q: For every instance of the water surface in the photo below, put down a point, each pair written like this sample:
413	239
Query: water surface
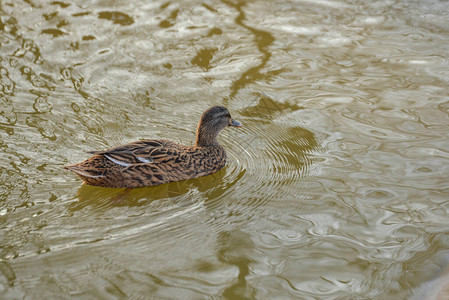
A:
335	188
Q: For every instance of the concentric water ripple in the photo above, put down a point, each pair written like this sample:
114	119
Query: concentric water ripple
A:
272	157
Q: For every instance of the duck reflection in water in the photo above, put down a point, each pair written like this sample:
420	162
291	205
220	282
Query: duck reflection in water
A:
176	191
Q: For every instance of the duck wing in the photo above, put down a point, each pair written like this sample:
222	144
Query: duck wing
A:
143	152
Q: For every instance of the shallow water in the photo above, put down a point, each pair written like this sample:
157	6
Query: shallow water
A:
335	188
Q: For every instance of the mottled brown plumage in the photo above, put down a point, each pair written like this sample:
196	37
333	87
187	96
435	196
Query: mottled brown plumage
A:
153	162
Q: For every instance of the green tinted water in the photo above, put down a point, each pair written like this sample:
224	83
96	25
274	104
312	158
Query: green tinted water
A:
335	188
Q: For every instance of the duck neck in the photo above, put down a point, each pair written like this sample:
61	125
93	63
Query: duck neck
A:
205	138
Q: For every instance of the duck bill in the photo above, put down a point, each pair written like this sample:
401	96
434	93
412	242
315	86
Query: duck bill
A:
235	123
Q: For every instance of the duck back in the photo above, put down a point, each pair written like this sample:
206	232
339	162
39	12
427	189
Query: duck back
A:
149	163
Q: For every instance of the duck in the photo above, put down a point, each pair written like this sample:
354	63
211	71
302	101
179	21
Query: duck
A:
152	162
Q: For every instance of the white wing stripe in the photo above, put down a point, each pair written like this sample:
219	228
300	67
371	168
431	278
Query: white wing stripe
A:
117	161
144	160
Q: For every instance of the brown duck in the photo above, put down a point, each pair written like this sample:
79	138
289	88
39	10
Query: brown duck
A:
153	162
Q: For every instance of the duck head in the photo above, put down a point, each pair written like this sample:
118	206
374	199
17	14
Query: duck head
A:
211	123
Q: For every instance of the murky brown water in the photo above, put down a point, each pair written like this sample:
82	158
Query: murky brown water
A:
336	187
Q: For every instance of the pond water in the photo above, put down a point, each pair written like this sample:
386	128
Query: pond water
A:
335	188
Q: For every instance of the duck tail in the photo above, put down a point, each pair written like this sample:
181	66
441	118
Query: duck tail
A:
82	172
